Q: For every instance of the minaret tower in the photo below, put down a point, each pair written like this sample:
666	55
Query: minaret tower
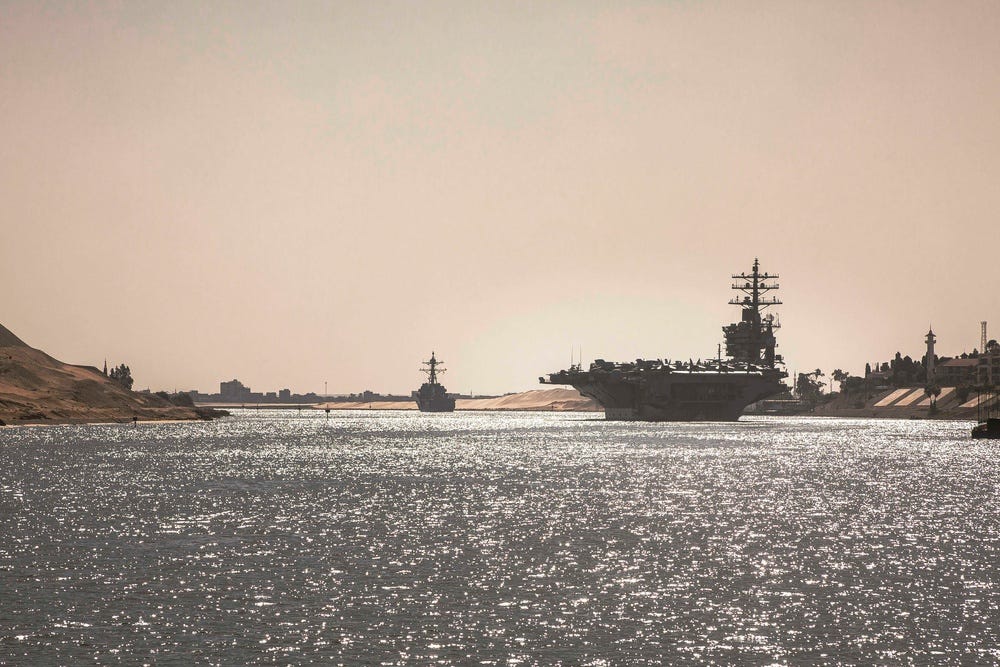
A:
930	354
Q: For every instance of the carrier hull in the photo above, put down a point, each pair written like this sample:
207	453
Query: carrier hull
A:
660	395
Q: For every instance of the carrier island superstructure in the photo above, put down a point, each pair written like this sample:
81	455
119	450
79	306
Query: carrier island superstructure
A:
714	390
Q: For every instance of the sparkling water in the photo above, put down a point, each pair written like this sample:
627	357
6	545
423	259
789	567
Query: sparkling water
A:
286	537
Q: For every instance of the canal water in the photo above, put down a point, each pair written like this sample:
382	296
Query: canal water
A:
285	537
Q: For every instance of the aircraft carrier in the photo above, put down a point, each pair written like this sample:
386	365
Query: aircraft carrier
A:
713	390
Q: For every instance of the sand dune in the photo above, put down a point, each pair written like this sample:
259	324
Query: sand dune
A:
35	388
7	339
565	400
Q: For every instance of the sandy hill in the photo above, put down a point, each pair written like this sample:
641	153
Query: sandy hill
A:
7	339
35	388
565	400
559	400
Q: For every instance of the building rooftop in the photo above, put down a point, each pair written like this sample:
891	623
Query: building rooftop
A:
959	362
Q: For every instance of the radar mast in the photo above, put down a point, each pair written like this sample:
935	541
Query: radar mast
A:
433	371
751	340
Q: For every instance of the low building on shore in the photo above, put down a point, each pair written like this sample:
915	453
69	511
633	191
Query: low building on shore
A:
988	370
956	372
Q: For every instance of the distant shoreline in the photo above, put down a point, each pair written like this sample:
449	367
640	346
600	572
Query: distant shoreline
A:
537	400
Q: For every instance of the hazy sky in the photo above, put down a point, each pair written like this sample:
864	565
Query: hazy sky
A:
292	193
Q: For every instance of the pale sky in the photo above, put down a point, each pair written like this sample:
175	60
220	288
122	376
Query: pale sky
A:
295	193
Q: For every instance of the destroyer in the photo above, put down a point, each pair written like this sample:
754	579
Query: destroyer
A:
715	390
432	396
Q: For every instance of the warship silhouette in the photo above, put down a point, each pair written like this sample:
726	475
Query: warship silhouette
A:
432	396
714	390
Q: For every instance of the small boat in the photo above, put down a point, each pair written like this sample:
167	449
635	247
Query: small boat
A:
987	429
988	414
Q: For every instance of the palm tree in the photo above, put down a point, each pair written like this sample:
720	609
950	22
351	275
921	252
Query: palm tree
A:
840	377
933	391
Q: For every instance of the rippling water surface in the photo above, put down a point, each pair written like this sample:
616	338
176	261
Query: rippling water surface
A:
374	537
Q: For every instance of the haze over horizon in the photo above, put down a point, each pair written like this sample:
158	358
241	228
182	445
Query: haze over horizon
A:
299	193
